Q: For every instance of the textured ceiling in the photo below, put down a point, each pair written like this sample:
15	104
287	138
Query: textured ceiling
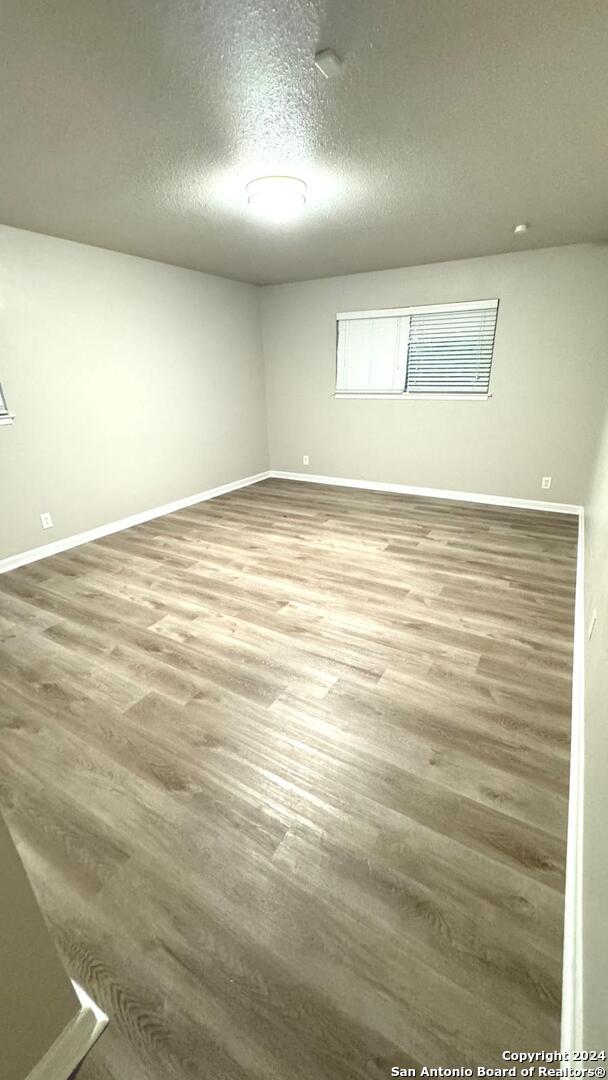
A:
135	124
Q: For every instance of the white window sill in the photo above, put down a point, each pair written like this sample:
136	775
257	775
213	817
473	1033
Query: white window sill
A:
411	397
6	420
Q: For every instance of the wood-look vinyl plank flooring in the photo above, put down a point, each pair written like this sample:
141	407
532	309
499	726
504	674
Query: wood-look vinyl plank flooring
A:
289	773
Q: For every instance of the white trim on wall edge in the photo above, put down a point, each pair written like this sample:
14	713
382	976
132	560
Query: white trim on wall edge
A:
11	562
433	493
572	970
24	557
74	1042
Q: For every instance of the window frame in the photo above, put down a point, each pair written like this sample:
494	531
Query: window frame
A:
405	312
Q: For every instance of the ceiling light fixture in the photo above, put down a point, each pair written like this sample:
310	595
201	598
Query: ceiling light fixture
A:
276	197
520	229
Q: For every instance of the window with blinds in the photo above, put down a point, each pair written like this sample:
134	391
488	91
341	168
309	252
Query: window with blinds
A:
440	350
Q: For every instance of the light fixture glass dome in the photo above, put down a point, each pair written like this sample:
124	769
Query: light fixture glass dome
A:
276	197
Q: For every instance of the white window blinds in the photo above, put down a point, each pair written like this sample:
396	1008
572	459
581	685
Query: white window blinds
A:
372	355
431	351
450	352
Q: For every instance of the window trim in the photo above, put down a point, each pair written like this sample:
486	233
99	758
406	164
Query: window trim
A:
420	309
367	395
392	313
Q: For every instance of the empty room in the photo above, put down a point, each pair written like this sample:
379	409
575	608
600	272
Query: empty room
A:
303	539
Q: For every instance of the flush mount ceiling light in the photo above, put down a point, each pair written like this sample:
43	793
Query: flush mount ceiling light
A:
276	197
520	229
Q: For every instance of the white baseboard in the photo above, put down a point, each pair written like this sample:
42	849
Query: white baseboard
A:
57	546
433	493
74	1043
24	557
572	977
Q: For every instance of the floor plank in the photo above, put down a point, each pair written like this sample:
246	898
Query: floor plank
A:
289	773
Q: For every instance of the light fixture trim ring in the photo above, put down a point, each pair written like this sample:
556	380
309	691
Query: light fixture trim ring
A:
290	188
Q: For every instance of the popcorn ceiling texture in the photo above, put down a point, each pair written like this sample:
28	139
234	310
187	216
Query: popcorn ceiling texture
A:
135	125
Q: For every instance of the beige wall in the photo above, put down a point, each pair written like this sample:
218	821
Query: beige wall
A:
133	383
36	997
595	814
548	381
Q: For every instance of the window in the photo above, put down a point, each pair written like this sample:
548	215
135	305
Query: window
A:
437	351
5	416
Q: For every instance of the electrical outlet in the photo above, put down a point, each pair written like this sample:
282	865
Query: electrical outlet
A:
593	622
546	482
306	460
47	521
